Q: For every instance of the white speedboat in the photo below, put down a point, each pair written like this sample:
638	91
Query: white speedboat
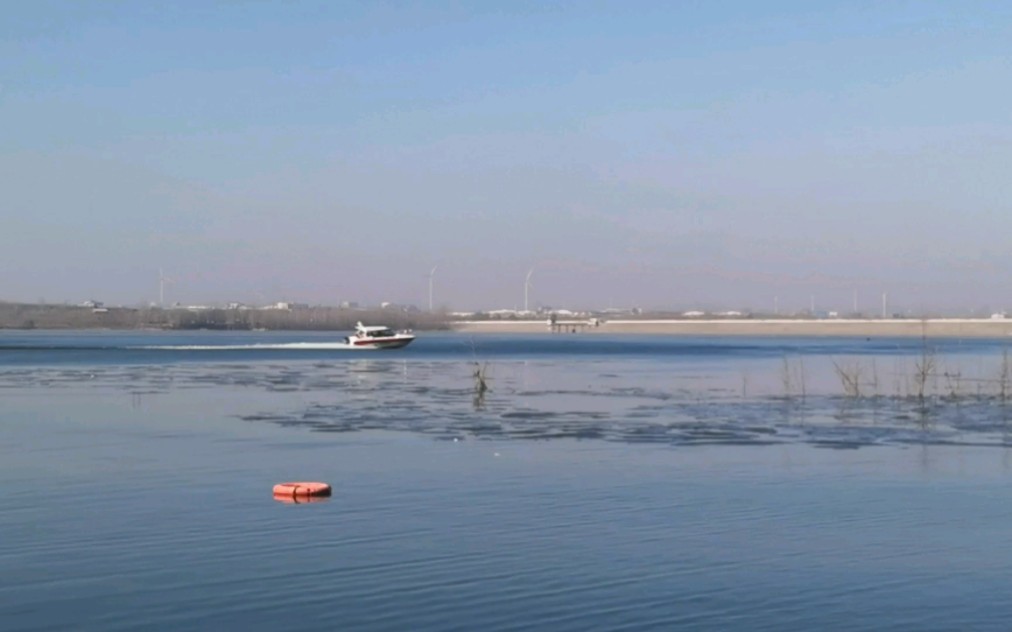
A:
378	337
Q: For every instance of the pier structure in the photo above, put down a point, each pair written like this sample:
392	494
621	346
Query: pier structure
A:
557	326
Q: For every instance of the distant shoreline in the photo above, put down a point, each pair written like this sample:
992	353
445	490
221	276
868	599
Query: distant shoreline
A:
22	316
932	328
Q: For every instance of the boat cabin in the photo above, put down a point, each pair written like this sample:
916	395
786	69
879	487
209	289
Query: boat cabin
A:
363	331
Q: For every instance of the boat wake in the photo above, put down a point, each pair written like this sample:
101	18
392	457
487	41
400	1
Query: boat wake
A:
307	346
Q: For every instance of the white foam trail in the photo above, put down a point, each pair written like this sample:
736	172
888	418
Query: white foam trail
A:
322	346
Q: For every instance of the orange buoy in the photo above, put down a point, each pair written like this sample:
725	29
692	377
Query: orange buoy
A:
301	489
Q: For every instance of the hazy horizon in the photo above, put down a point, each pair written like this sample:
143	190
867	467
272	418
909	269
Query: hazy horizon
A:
660	155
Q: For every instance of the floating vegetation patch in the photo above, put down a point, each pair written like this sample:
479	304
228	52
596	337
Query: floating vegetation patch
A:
850	406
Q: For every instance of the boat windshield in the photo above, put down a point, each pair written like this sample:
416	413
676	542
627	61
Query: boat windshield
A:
381	333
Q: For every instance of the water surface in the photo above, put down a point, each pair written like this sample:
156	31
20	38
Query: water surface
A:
634	483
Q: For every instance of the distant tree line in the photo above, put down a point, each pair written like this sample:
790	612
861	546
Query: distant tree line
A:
36	316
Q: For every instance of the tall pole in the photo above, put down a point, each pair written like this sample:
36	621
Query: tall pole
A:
884	294
776	305
431	273
527	286
855	301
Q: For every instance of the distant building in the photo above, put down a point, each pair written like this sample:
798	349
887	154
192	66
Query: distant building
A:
503	313
97	307
287	306
388	305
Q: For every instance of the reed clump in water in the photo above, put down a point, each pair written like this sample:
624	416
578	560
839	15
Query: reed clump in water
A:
786	379
1003	377
793	379
927	391
850	378
924	368
480	376
794	382
953	385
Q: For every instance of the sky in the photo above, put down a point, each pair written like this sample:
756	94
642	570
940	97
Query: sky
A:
678	154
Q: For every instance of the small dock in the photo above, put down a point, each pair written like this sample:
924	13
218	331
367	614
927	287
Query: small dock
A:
571	326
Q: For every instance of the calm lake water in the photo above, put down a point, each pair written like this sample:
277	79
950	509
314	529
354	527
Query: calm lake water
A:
601	483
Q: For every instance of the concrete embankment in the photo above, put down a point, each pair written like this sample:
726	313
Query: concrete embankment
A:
932	328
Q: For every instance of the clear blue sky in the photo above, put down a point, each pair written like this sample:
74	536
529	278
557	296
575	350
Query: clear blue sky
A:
677	154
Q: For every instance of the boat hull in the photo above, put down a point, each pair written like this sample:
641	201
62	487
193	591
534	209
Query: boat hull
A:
383	343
